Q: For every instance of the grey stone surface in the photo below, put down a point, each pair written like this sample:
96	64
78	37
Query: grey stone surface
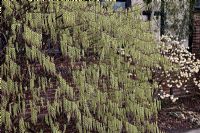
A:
193	131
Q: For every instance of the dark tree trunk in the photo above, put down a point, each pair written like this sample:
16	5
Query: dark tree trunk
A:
163	18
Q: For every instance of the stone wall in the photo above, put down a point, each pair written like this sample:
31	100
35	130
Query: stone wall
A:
196	34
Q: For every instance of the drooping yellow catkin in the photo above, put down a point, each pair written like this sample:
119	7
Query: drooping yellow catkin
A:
105	90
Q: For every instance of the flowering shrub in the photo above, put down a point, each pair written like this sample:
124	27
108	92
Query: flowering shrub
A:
183	76
97	96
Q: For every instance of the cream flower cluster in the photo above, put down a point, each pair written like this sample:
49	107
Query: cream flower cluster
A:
163	95
185	74
121	51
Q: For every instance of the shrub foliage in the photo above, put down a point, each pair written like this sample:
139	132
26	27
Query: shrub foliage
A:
94	75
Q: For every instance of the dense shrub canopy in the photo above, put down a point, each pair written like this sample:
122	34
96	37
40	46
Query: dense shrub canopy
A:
94	75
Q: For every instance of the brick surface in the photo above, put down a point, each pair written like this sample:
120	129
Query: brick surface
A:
196	35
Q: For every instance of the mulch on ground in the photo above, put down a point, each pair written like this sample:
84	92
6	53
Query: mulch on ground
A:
172	124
